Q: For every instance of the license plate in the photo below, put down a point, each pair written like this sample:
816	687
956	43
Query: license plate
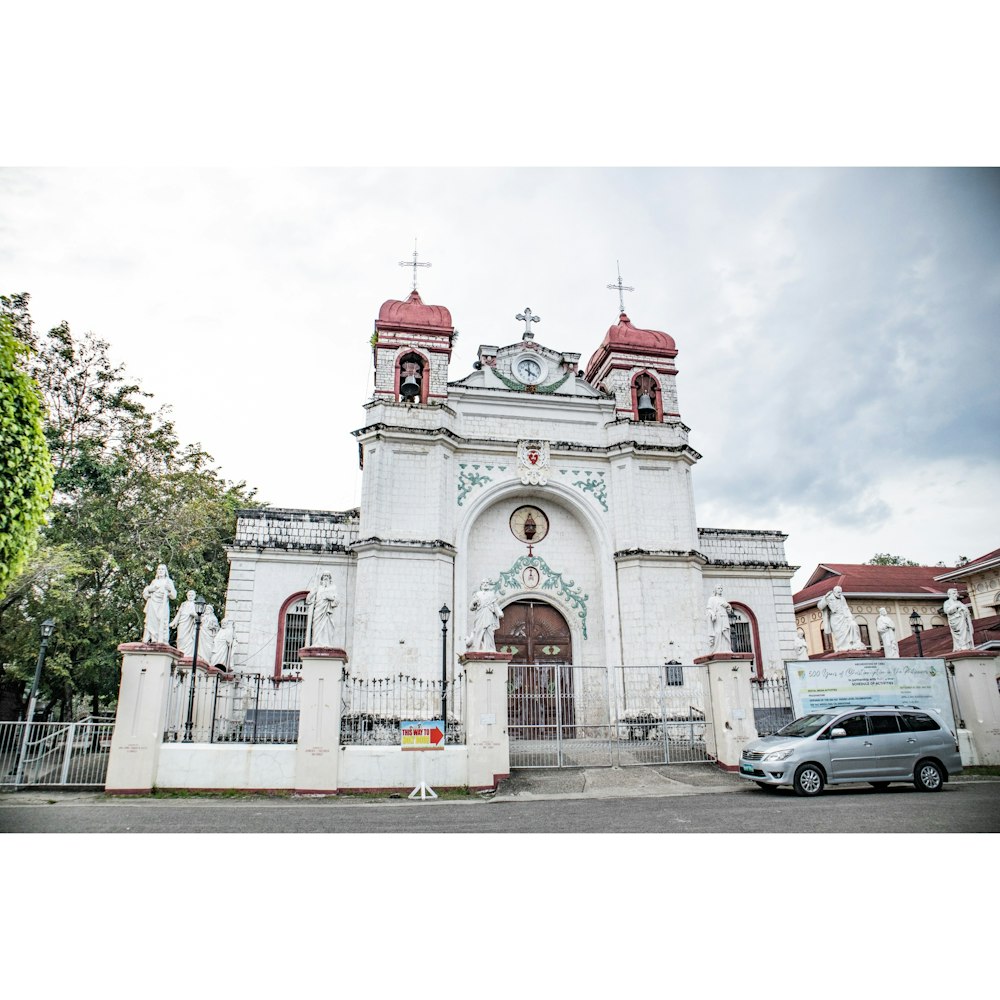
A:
749	768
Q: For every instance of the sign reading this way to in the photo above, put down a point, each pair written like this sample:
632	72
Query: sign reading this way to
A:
422	735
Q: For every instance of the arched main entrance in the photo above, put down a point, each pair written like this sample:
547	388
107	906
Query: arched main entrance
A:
540	679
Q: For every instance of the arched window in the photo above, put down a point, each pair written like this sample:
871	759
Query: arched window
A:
646	387
865	634
744	635
411	378
292	623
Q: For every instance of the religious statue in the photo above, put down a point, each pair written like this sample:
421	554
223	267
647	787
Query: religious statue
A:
801	646
838	622
959	621
321	603
887	633
717	612
184	621
158	595
486	615
209	630
224	646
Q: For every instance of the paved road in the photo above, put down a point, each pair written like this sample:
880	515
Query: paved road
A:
972	807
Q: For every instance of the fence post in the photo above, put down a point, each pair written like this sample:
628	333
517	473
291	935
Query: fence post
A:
317	754
487	740
974	672
141	716
729	706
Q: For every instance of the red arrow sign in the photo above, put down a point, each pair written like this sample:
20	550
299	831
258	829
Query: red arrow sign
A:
436	735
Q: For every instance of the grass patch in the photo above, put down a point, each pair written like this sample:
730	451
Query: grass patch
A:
981	771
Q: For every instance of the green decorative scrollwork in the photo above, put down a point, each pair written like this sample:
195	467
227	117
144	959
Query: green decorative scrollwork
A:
573	595
520	387
467	481
592	482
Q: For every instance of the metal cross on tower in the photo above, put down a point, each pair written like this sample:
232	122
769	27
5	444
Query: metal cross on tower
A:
528	318
414	264
621	288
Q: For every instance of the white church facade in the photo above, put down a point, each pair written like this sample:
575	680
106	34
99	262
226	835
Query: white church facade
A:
566	490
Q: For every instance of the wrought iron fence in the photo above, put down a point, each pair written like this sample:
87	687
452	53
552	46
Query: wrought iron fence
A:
772	704
574	716
231	708
55	753
372	708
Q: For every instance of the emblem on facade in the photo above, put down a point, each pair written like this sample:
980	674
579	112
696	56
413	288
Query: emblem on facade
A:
533	465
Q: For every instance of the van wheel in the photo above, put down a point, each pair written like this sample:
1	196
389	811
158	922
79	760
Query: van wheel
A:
879	786
928	777
808	780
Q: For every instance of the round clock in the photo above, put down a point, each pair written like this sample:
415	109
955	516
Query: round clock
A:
529	525
529	369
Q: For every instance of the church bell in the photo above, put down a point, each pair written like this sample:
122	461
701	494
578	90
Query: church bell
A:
409	388
646	409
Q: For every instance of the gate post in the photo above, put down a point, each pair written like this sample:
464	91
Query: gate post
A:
486	737
974	672
317	753
140	717
729	707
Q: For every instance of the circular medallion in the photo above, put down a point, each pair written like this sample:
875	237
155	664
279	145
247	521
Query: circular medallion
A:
530	369
529	525
531	577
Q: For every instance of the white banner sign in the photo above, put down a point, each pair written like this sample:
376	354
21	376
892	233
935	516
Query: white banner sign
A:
816	685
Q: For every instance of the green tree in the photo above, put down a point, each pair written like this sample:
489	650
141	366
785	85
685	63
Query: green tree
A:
127	497
886	559
25	466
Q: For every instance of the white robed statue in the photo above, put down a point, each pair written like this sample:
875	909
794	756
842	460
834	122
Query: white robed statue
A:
719	628
838	622
224	646
158	594
321	603
486	615
887	633
959	621
184	621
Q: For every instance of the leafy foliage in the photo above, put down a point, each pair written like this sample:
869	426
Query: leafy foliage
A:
127	496
886	559
25	467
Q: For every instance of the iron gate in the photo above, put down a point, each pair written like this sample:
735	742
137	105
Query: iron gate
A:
573	716
55	753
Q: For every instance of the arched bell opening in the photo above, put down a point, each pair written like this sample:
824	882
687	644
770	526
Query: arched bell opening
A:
647	403
411	378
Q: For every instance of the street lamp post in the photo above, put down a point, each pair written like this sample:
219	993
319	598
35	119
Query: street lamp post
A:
48	627
444	614
916	627
199	609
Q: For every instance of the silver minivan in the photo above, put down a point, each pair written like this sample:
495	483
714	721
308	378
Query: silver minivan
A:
837	746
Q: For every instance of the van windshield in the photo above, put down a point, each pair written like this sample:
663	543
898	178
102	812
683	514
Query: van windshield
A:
808	725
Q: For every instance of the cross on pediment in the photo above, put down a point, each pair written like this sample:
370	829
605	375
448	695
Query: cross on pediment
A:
528	317
414	264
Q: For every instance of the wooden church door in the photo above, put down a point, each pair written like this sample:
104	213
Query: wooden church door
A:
538	700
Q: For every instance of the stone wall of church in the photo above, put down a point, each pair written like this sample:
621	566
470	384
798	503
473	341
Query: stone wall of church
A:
306	530
746	548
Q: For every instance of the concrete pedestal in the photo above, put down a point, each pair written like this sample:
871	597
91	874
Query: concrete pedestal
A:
975	677
486	736
729	707
141	716
317	755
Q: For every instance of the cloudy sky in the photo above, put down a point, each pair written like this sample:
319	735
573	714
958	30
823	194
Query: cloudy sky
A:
837	328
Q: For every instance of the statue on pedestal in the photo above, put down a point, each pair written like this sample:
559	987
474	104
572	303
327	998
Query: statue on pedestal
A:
959	621
838	622
321	603
719	629
887	633
486	615
801	646
209	630
184	621
158	595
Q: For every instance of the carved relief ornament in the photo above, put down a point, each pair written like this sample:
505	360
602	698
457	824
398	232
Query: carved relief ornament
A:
533	462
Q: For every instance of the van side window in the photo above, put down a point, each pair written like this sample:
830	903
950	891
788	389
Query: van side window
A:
855	725
883	724
919	722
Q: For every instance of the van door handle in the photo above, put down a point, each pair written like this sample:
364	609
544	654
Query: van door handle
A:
910	739
868	743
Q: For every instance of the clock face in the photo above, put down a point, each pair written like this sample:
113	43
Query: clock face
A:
529	525
529	370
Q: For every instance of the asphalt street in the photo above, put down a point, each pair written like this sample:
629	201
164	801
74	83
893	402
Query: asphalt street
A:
963	807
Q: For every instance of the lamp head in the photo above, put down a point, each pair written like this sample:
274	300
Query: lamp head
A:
199	605
444	614
48	627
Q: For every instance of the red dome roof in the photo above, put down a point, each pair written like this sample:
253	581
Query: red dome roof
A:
413	313
625	336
